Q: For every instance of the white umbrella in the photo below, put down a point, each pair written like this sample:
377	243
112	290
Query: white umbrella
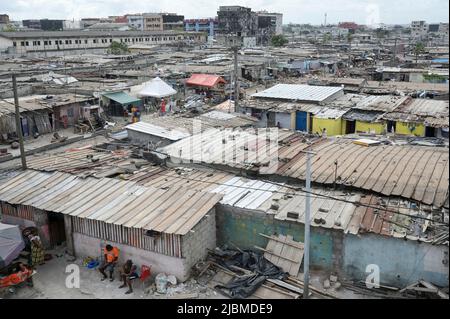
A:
157	88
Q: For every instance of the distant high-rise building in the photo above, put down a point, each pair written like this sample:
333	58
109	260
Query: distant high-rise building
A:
51	25
32	24
209	25
274	19
173	21
153	22
4	19
136	21
419	29
237	20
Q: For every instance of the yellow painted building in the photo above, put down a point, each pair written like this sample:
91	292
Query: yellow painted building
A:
377	127
403	128
334	126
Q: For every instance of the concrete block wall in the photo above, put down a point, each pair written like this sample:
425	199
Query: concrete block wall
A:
195	244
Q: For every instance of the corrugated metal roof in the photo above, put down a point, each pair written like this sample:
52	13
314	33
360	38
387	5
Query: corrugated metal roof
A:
121	98
411	172
150	129
84	161
174	211
217	115
299	92
254	194
362	115
383	103
433	113
279	200
330	113
205	80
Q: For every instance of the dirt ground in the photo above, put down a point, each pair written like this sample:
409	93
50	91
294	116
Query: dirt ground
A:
50	283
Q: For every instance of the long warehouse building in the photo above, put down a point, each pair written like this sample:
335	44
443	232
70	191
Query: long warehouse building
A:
41	41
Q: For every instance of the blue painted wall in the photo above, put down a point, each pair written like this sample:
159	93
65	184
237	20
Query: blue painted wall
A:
242	228
401	262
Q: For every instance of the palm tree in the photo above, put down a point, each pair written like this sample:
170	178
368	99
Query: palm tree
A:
419	48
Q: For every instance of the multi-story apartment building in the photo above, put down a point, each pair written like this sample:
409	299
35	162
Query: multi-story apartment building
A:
275	21
153	22
419	29
4	19
136	21
173	21
209	25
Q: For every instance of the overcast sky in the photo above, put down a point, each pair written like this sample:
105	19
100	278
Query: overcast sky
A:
297	11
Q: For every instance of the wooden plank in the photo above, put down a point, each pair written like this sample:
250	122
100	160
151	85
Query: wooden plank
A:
277	256
267	292
440	293
290	243
286	285
295	253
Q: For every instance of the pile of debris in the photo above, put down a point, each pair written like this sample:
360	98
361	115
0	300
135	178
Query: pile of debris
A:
272	274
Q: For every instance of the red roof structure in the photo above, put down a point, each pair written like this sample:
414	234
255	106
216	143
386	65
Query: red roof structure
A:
205	80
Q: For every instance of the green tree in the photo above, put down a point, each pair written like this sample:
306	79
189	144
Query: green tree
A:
117	48
349	38
327	38
279	40
9	28
419	48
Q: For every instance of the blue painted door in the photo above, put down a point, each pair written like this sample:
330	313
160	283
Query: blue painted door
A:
301	121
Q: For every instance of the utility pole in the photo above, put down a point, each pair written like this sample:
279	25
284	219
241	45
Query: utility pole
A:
18	125
236	81
394	53
307	226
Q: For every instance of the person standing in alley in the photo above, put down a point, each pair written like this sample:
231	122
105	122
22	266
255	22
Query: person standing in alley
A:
111	255
37	249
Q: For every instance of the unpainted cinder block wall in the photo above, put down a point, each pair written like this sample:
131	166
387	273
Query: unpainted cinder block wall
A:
195	244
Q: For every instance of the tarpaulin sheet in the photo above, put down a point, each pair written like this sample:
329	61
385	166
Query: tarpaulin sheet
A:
245	286
11	243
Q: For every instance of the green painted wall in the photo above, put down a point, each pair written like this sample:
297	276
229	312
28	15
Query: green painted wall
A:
242	228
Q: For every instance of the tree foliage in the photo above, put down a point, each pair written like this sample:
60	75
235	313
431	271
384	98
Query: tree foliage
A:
117	48
279	40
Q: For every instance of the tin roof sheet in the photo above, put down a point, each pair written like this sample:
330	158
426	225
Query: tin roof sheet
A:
299	92
174	211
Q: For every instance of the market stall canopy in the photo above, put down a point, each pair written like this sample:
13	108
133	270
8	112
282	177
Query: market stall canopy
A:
157	88
205	80
11	243
121	98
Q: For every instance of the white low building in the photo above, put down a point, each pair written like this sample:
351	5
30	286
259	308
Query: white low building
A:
42	41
